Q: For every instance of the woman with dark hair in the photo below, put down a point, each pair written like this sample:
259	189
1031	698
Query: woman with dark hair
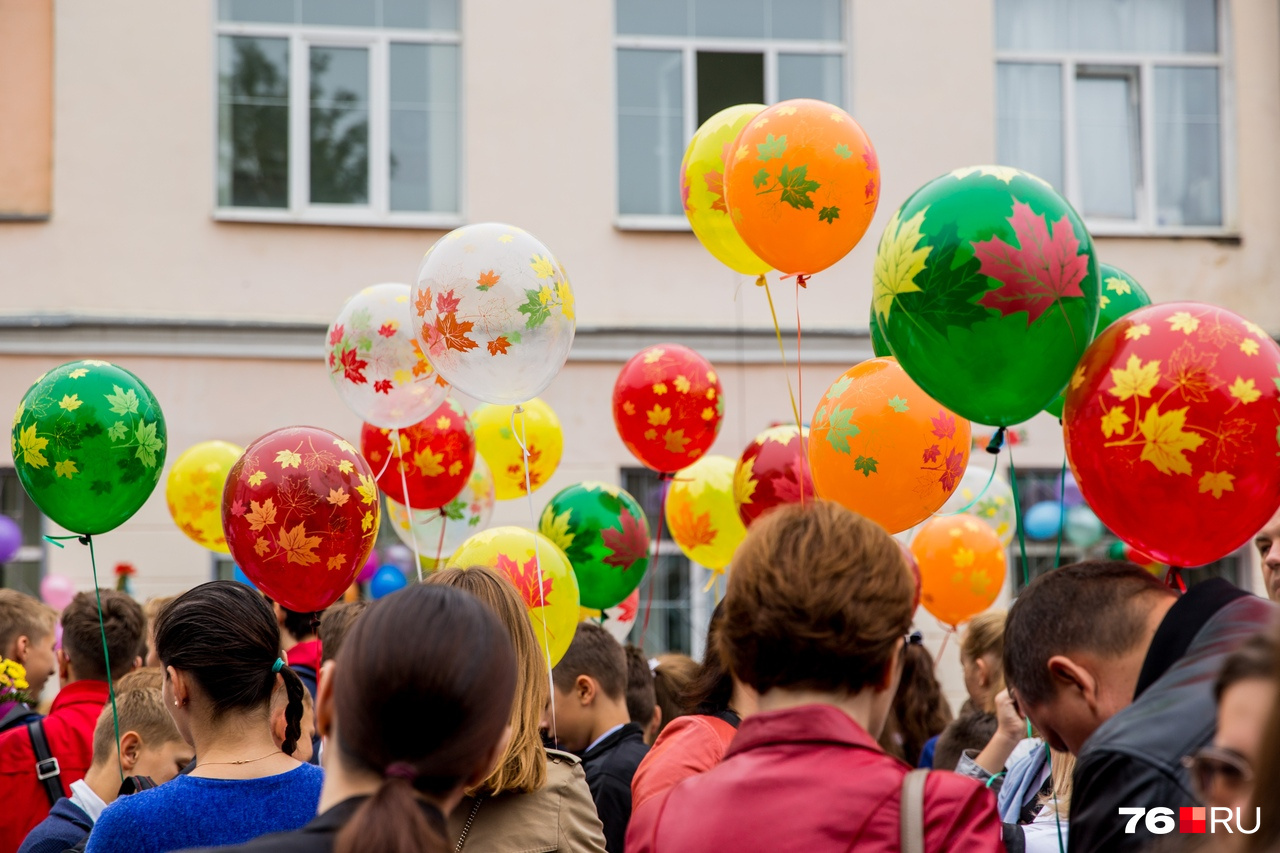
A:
920	712
220	647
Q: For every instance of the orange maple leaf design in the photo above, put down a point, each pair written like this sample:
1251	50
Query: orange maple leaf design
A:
423	302
298	546
525	579
421	367
499	345
488	279
691	530
261	514
715	184
454	334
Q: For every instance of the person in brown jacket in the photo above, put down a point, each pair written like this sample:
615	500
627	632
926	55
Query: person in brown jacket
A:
536	799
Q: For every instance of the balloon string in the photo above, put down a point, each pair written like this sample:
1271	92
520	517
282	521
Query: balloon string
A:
951	629
395	451
763	281
444	523
408	508
1062	511
804	441
664	484
990	479
1017	510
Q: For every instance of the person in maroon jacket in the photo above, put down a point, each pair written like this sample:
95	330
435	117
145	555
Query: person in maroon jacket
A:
817	611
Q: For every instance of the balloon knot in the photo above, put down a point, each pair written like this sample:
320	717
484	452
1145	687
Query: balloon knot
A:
761	281
665	476
802	280
518	410
1174	579
83	540
996	443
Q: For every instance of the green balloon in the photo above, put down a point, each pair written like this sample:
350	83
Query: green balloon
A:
986	289
605	535
879	346
89	444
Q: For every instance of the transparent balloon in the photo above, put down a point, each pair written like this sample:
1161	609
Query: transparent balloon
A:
986	497
439	532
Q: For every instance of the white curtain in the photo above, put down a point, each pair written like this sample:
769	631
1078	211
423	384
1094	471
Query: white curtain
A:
1029	118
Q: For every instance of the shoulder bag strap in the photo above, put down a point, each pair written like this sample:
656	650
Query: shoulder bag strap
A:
912	811
47	770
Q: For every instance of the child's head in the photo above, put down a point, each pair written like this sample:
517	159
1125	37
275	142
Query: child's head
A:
590	687
968	731
26	636
642	702
334	626
672	678
80	658
981	656
295	626
149	741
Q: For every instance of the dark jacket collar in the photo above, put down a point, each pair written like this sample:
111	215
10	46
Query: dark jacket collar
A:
71	813
1180	625
626	732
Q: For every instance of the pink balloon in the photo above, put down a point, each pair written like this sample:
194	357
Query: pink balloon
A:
370	568
57	591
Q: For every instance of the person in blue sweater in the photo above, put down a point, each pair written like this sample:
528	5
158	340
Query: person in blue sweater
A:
220	646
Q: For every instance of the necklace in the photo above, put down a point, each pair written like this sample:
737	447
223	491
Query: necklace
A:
241	761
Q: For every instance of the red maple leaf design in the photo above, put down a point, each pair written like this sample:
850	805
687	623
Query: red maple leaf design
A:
333	358
944	425
353	367
931	454
238	508
382	386
953	471
525	580
423	302
684	193
628	545
869	190
627	609
446	302
1045	268
335	336
453	333
387	330
715	184
499	345
795	484
869	157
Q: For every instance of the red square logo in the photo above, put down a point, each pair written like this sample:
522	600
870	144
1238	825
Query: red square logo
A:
1191	819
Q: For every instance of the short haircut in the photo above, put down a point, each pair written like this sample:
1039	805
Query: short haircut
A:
335	624
641	696
672	679
140	704
23	616
819	599
596	653
301	626
1255	660
123	624
968	731
1096	606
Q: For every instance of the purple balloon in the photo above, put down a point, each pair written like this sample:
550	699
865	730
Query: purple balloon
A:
10	538
1069	493
370	568
57	591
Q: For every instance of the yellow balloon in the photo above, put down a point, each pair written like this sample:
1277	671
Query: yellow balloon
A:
517	553
194	491
702	188
500	445
701	513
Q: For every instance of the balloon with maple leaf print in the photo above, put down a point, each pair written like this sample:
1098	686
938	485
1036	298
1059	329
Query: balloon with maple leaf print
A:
604	533
772	471
194	491
425	465
884	448
495	312
986	289
375	361
437	533
1178	400
617	620
300	512
539	571
801	185
667	406
88	445
702	188
502	437
962	567
701	513
986	495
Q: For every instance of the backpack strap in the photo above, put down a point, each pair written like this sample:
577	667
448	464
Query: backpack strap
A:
48	772
912	811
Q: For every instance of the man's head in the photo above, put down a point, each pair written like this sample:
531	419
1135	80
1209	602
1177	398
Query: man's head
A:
590	688
1268	543
642	700
296	627
149	741
80	658
968	731
26	636
1074	645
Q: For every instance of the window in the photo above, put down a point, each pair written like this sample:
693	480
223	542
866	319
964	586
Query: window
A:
24	571
681	61
1120	105
339	111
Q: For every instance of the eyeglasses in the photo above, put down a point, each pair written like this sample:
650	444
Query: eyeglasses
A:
1212	767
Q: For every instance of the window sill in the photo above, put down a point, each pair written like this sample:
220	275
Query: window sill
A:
351	219
1229	236
646	222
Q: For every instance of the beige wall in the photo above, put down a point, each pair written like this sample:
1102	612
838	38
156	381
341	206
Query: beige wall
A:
26	108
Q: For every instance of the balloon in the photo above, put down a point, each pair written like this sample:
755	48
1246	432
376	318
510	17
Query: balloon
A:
194	491
773	470
702	188
300	510
879	346
10	538
701	512
1120	295
1171	430
1043	520
962	565
516	553
498	439
986	289
57	591
667	406
399	556
1082	527
464	516
986	497
376	363
89	445
883	448
386	580
618	620
802	185
1116	551
495	312
604	533
1067	491
434	457
369	569
238	575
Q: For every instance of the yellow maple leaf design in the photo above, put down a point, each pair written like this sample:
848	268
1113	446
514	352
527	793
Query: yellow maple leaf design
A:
78	373
65	468
1136	331
555	526
1104	301
1077	378
744	481
339	497
256	478
17	416
402	376
70	402
30	444
658	415
1113	422
288	459
653	355
456	468
298	546
1217	482
629	407
368	489
1244	390
786	111
1249	346
651	434
345	446
711	376
1165	440
565	294
442	422
1255	329
660	388
542	266
1118	285
337	561
675	440
429	463
711	393
682	384
963	557
367	522
346	466
708	413
898	262
1182	321
1135	379
262	546
506	238
261	514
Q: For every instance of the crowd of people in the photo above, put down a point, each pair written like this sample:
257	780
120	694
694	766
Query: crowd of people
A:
1105	712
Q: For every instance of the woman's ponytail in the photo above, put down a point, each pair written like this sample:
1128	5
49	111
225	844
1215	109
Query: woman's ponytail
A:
293	711
394	820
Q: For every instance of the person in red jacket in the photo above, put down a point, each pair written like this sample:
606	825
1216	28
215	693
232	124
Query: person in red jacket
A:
818	609
68	729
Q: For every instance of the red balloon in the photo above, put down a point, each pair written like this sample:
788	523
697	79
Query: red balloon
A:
667	405
1171	429
435	457
773	470
300	513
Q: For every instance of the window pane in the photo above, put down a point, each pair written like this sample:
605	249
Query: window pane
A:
1188	156
1029	118
650	131
253	122
268	11
420	14
424	127
339	125
806	19
1107	146
652	17
360	13
729	18
1167	26
811	76
726	79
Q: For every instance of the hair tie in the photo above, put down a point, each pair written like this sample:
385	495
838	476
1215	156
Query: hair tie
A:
401	770
278	665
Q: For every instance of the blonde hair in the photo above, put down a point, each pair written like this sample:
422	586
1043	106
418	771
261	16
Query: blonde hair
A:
140	703
23	616
1058	798
524	767
984	638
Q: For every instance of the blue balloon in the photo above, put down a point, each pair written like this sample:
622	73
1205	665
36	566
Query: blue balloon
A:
387	580
242	577
1043	521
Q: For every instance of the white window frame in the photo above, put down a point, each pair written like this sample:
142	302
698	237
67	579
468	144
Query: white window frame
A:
690	47
377	212
1145	63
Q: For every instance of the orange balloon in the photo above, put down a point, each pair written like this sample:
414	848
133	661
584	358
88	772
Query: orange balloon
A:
882	447
802	185
962	567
